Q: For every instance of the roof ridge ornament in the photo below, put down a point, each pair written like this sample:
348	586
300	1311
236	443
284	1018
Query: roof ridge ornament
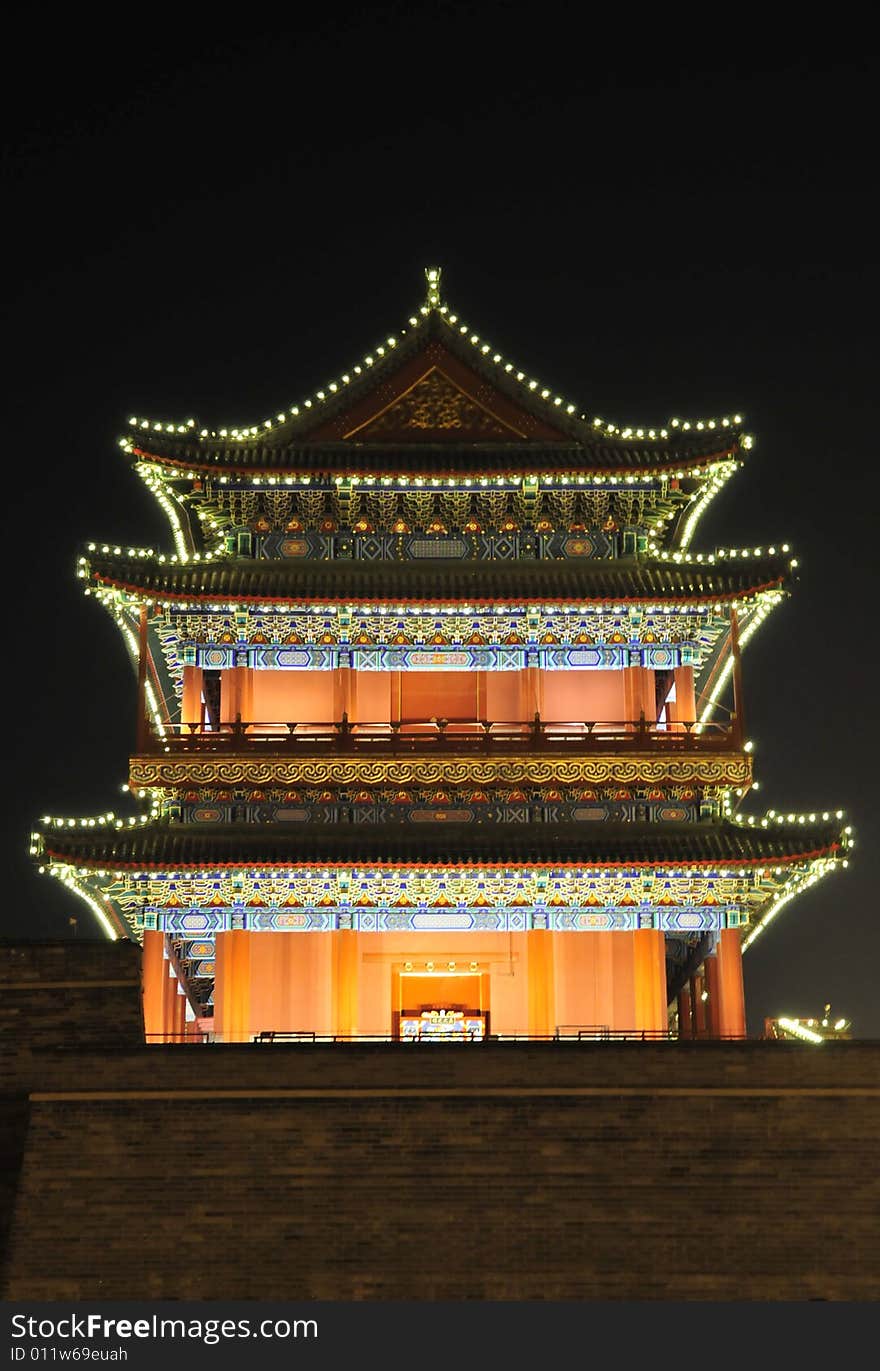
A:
432	279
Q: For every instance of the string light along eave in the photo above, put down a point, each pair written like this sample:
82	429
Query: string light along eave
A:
554	404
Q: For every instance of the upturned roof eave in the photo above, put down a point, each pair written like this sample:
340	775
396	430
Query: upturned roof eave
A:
573	846
264	445
560	581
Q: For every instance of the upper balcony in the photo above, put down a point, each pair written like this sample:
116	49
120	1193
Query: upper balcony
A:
439	735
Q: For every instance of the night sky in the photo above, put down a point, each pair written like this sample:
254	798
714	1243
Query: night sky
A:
213	225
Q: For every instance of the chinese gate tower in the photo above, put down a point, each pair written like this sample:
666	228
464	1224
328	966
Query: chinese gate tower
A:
432	722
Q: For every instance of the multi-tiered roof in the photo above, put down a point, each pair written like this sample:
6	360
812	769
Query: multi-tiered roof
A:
437	497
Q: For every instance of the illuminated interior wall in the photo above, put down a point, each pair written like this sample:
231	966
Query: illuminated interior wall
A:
380	955
610	980
272	981
444	694
291	982
466	990
604	696
352	983
371	697
584	695
294	697
504	696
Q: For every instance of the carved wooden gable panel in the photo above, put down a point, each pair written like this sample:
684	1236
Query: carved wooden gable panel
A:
434	409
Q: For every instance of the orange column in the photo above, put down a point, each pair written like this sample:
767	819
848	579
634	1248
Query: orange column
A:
649	958
639	694
237	695
532	696
191	704
731	995
345	696
684	707
154	970
345	982
542	1006
232	986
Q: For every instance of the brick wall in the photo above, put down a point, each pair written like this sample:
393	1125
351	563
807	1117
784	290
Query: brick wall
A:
502	1171
63	993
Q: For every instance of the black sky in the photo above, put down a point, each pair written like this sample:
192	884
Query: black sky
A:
657	224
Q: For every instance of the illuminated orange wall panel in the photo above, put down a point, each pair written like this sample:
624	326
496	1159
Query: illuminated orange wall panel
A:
508	988
504	696
291	982
348	983
610	980
372	697
584	695
444	694
502	955
293	697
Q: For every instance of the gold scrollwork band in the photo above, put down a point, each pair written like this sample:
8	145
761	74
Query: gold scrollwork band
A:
173	774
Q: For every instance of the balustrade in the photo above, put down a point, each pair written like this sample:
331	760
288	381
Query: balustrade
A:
451	735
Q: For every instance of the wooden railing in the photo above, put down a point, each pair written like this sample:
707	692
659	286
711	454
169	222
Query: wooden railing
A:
448	735
565	1033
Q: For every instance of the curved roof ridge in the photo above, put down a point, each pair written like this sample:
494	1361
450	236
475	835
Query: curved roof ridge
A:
571	844
434	317
426	581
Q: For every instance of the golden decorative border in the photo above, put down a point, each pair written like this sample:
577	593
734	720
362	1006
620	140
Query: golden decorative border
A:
176	773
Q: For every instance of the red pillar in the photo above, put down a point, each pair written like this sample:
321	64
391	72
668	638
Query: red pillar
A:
154	970
345	982
731	995
237	695
542	1001
191	703
232	986
649	979
684	707
640	696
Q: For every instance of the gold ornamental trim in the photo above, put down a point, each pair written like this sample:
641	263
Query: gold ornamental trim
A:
181	772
